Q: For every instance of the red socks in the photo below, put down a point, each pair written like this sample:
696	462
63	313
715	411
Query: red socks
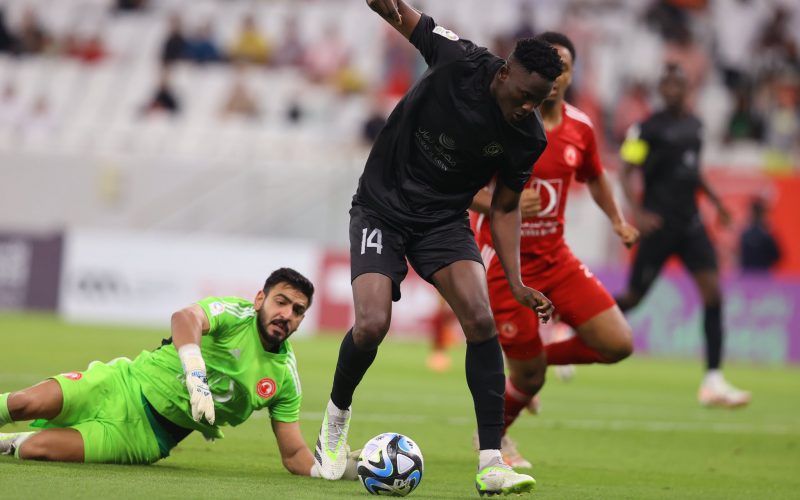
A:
572	351
516	400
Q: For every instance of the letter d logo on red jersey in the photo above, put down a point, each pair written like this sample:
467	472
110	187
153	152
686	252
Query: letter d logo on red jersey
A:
266	388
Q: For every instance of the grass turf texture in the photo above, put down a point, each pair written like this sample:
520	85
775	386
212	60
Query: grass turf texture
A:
628	431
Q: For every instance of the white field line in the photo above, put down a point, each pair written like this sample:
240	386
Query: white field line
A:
583	424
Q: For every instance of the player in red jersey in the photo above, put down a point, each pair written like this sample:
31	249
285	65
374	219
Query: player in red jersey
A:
603	334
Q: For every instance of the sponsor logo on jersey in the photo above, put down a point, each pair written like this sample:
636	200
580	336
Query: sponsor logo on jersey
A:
508	330
72	375
550	192
216	308
447	142
266	388
442	31
492	149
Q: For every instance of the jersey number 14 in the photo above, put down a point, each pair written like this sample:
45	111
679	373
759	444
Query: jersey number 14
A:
374	240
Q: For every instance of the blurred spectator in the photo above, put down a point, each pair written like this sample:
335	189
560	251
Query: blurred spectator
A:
164	99
736	24
399	64
175	46
8	42
668	19
526	27
758	249
374	123
130	5
292	49
88	49
744	123
776	45
632	107
240	101
32	38
327	56
783	119
250	45
201	47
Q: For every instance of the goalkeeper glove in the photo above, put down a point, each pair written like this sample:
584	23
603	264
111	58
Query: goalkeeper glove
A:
194	368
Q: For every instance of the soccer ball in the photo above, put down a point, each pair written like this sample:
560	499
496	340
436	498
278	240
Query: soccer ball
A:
390	464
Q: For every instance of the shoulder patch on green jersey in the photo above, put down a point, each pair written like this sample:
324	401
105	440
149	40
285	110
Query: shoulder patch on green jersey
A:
226	310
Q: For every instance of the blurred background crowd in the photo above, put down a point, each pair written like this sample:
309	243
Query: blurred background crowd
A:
127	107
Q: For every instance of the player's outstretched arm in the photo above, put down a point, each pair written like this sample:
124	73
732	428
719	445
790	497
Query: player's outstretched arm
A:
296	456
188	326
399	14
504	218
603	196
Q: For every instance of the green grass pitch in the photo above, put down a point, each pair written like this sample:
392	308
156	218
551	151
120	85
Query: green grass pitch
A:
628	431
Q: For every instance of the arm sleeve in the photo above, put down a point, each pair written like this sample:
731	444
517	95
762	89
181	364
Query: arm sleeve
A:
223	312
635	148
438	45
286	406
592	166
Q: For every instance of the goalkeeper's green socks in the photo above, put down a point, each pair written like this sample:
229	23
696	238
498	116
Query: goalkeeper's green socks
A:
5	416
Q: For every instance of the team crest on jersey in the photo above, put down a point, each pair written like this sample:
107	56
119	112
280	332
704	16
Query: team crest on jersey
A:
508	330
72	375
442	31
492	149
266	388
571	156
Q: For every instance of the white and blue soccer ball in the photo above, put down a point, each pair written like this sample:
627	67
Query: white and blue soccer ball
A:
390	464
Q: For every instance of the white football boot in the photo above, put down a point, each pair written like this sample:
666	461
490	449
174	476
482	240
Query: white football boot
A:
331	451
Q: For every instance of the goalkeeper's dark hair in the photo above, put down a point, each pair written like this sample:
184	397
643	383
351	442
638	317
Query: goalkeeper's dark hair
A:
558	38
293	279
538	56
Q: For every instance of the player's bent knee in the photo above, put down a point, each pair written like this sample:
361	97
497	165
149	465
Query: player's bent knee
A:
478	327
621	348
369	331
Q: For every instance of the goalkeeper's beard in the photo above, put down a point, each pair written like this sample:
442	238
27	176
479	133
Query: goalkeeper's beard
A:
270	341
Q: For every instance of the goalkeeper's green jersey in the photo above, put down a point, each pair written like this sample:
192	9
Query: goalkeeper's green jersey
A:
242	376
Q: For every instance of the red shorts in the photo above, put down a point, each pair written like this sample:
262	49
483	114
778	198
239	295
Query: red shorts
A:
574	291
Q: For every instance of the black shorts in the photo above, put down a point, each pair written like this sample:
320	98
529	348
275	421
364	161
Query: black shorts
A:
689	242
379	247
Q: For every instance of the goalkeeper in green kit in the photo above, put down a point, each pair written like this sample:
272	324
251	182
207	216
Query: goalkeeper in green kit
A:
227	358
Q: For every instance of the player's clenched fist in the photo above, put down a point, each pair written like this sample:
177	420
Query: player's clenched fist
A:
535	300
194	368
627	233
387	9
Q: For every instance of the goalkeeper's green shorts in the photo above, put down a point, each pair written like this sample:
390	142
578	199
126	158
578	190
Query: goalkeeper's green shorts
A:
105	404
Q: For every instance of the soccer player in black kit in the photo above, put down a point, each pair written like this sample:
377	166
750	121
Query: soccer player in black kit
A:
471	117
666	149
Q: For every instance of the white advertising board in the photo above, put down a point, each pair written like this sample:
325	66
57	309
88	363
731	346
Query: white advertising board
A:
142	278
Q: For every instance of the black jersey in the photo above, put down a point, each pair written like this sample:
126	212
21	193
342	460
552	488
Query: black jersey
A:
446	138
670	160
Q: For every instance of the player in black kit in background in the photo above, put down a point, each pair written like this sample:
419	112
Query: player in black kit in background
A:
471	117
666	149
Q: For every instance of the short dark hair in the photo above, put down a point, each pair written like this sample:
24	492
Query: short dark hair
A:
539	56
292	278
558	38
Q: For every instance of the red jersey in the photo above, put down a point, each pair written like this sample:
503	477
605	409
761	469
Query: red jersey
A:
571	151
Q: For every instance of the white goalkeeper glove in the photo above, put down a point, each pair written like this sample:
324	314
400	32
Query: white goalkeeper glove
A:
194	368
